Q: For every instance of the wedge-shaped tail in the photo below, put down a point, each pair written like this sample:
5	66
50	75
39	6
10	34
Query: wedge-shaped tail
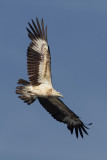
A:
25	95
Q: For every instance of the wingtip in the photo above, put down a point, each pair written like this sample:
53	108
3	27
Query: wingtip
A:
37	19
42	19
76	132
79	130
32	20
90	124
27	29
29	24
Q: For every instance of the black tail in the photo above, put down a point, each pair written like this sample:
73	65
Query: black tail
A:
25	95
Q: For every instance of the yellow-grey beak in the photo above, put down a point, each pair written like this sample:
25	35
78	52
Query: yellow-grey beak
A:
60	95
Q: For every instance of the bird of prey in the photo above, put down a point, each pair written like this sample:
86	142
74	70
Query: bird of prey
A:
40	83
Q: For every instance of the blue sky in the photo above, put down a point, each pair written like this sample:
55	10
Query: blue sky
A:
77	36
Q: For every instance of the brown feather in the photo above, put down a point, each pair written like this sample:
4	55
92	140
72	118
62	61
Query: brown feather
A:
40	31
35	27
32	29
43	28
46	33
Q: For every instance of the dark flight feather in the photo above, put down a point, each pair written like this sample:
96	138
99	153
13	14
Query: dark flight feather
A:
62	113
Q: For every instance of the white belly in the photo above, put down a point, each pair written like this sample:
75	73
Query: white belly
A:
41	90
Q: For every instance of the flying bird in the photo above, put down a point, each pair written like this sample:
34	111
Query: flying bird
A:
40	81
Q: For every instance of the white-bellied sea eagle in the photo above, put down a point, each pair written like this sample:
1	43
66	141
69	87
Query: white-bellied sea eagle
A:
40	83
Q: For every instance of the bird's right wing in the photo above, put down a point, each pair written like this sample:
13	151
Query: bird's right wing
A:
62	113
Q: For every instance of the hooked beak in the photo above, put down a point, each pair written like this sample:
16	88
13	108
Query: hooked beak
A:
60	95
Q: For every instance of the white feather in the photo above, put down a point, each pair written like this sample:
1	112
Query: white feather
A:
39	43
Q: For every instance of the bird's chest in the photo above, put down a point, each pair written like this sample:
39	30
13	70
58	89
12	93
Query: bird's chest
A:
43	90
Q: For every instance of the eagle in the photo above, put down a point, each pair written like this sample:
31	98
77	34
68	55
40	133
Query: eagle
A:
40	81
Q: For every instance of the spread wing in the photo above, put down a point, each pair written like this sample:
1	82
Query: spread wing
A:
38	54
62	113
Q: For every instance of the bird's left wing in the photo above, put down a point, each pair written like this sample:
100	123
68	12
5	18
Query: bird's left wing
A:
62	113
38	54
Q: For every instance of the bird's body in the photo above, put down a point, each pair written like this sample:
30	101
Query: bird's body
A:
40	86
43	90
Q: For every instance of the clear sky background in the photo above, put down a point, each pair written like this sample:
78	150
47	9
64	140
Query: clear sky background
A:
77	36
